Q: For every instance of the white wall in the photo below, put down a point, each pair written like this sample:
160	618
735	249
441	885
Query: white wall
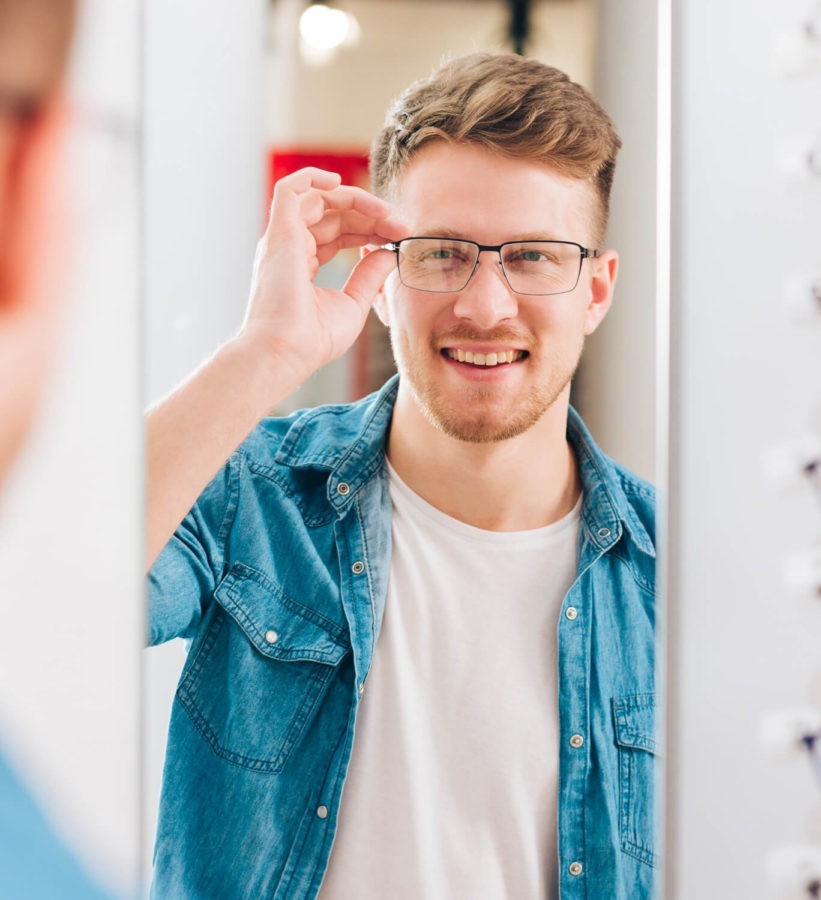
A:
616	384
203	196
744	377
70	529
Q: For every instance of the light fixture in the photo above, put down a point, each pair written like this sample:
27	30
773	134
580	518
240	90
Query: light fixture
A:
325	28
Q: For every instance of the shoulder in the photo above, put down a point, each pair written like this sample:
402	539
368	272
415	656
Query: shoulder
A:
634	485
319	436
638	501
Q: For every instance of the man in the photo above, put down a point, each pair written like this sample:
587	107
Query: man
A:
34	39
450	570
34	42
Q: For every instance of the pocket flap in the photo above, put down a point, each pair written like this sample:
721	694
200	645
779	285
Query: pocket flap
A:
635	721
278	626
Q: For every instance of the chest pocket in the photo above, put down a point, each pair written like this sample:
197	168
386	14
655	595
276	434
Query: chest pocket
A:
259	674
634	719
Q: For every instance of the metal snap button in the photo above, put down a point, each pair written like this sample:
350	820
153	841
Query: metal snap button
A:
361	688
271	636
571	612
575	868
604	532
322	812
576	740
358	567
343	489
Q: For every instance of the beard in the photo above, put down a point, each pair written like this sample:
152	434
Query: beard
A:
479	414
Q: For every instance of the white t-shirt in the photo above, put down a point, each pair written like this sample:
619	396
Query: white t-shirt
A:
452	785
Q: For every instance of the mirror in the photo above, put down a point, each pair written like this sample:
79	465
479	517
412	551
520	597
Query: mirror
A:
254	97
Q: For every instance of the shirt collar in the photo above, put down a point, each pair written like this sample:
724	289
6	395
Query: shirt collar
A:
606	506
349	441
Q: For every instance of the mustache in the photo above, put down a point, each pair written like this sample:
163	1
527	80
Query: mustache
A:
502	334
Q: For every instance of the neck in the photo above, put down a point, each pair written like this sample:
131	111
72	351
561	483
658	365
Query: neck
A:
518	484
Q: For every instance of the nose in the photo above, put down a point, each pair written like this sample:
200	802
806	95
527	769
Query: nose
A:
487	298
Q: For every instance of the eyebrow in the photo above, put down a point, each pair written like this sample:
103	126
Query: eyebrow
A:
450	234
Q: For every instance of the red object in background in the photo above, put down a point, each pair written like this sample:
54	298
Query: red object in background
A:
352	165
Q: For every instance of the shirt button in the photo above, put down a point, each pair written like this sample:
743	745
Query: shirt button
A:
576	741
343	489
271	637
603	532
361	688
322	812
575	868
358	567
571	612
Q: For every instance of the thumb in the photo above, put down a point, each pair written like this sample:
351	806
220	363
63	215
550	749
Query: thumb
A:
368	276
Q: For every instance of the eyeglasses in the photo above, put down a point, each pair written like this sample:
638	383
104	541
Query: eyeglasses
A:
445	265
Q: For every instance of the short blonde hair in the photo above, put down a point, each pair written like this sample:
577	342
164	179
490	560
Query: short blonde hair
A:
517	107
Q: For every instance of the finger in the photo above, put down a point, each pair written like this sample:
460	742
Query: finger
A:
326	252
368	276
285	206
315	205
335	223
304	179
350	197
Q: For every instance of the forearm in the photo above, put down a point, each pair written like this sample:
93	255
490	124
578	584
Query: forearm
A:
193	431
291	329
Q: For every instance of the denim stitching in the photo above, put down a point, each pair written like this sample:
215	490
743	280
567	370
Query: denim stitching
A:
336	632
292	732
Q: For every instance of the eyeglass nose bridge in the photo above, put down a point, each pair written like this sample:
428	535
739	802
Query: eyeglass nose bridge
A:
480	249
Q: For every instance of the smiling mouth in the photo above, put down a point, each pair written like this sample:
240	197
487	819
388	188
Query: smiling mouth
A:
484	359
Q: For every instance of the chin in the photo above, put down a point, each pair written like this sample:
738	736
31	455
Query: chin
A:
482	427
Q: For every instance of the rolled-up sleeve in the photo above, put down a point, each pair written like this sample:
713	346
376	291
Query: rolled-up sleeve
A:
182	580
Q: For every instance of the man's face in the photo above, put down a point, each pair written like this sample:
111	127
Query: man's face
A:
465	191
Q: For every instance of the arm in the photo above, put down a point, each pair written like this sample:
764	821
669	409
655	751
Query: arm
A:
291	329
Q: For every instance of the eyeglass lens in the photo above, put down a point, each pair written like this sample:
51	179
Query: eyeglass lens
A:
531	267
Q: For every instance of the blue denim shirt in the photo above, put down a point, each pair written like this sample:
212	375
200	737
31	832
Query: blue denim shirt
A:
278	578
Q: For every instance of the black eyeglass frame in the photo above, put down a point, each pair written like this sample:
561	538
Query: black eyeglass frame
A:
584	253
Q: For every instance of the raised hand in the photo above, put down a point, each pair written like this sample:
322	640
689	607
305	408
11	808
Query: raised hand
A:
312	218
291	328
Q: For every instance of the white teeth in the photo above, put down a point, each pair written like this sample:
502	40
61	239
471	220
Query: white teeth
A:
485	359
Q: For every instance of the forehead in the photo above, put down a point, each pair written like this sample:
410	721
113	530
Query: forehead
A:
472	192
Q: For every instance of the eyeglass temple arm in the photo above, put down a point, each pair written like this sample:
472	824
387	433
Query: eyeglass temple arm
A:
586	251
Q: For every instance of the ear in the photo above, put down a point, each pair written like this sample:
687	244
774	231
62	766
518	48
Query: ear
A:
603	281
380	303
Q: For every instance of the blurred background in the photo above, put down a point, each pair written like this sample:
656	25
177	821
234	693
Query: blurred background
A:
71	532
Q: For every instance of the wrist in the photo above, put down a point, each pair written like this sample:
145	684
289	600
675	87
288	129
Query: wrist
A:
270	370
